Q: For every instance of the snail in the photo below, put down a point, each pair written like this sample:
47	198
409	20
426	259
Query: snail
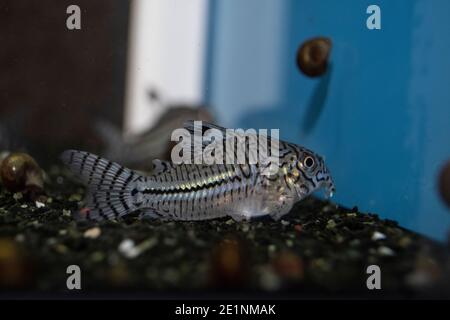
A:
19	172
312	56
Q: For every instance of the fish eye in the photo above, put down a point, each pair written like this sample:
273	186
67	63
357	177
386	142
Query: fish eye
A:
308	162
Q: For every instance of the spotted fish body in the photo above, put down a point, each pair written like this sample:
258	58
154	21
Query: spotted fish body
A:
199	191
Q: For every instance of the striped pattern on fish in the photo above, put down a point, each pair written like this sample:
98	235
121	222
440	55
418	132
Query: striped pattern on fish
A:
198	191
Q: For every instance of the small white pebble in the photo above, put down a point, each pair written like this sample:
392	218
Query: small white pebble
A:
92	233
20	237
128	249
51	241
24	206
17	196
75	197
229	221
39	204
35	223
126	244
285	223
331	224
269	280
378	236
272	248
386	251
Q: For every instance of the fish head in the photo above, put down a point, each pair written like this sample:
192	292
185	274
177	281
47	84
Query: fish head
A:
307	173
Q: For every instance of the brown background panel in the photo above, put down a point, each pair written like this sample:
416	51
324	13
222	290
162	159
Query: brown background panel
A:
55	82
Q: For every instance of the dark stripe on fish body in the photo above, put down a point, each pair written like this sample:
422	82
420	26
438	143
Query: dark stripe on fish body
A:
199	173
180	204
124	204
193	200
93	167
219	171
321	178
105	170
212	171
102	214
113	208
271	178
130	177
174	200
309	179
185	173
177	172
304	186
118	173
82	162
71	157
163	205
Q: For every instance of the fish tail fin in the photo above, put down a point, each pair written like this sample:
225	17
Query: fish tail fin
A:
109	185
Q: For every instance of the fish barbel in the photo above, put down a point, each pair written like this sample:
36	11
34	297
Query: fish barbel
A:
199	191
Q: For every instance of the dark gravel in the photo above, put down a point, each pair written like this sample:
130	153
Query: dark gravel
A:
318	250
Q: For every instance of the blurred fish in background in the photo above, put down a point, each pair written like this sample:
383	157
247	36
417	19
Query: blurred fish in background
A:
11	128
6	139
11	137
138	151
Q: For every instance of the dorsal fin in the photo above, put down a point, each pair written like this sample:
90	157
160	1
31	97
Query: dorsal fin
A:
161	166
189	125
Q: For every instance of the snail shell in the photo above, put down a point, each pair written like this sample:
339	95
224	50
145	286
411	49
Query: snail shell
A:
19	171
312	56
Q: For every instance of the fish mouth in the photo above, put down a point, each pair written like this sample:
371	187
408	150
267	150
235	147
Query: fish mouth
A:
328	183
329	190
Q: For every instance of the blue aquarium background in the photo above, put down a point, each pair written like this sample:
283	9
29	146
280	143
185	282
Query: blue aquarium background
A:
381	113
